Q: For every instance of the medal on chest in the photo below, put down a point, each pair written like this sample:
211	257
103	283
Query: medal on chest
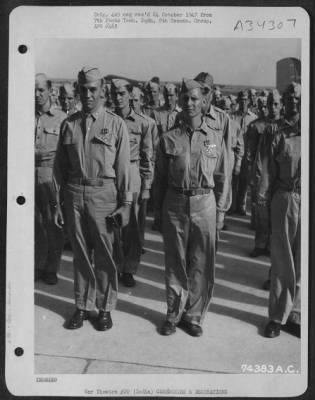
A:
210	148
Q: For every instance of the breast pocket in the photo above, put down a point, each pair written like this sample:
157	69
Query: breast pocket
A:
51	138
208	155
177	164
104	150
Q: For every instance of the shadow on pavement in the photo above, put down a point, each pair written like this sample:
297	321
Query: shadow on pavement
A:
245	316
155	317
232	294
58	306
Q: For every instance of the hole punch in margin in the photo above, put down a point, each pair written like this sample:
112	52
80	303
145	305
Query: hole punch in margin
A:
21	200
22	48
19	351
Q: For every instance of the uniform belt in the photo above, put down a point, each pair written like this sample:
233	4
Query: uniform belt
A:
134	162
46	164
91	182
191	192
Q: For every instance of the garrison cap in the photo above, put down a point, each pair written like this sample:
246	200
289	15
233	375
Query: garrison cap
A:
118	83
89	75
189	84
41	77
153	85
170	88
294	88
252	92
67	88
274	95
262	100
242	95
205	79
136	92
264	93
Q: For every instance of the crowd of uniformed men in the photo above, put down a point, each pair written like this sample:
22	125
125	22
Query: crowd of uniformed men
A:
105	151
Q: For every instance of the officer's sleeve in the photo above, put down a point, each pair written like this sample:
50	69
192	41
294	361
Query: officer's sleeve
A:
228	139
265	167
146	172
160	178
122	162
222	183
60	168
239	148
252	136
155	139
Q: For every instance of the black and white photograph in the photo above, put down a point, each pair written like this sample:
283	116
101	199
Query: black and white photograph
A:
163	204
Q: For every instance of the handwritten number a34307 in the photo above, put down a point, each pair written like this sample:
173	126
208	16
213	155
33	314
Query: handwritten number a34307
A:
270	25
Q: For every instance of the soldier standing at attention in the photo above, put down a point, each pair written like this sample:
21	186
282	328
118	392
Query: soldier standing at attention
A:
244	117
92	167
237	146
188	156
140	176
255	153
217	96
280	185
67	98
253	101
48	238
219	120
166	115
253	134
136	102
152	97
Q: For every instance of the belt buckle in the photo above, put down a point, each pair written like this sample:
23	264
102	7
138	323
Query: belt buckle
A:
193	192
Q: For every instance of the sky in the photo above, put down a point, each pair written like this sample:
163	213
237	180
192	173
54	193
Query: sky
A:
230	61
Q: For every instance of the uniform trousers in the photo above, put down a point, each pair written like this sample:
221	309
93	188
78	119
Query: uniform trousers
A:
284	299
189	231
262	234
131	234
48	237
95	272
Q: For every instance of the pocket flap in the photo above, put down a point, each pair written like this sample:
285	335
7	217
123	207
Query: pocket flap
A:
52	131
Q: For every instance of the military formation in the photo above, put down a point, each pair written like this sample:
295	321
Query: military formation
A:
106	152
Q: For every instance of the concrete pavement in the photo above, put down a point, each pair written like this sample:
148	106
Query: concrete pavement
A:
233	327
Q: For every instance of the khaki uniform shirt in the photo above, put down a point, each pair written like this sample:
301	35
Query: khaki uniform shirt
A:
141	146
95	146
47	131
189	159
280	168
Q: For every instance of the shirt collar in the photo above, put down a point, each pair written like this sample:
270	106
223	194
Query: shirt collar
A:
211	112
51	111
94	114
131	115
203	128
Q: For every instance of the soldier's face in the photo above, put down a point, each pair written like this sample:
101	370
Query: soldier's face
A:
121	97
90	95
42	93
263	110
192	102
292	104
153	95
171	99
136	103
253	99
243	104
274	108
67	101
